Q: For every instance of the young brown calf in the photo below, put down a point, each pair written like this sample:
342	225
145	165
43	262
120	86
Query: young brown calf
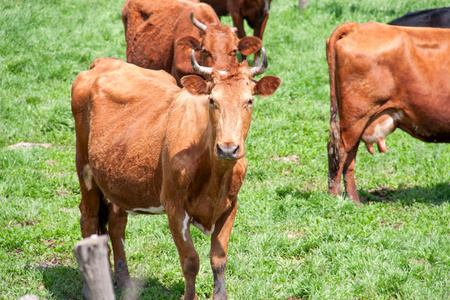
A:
146	146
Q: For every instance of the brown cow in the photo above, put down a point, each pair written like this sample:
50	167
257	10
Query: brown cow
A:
145	146
161	33
381	78
256	12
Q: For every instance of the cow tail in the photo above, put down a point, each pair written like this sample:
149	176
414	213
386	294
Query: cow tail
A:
334	138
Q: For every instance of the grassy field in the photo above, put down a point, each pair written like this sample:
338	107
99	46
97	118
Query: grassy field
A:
291	240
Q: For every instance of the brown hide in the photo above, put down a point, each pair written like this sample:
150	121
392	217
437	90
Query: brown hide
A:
381	78
147	146
256	12
160	35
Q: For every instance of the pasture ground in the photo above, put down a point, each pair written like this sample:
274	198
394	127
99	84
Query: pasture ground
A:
291	240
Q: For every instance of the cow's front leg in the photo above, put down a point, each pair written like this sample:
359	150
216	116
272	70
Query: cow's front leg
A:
219	249
179	224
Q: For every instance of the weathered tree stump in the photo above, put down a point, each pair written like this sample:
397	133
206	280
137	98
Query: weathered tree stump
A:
302	4
92	257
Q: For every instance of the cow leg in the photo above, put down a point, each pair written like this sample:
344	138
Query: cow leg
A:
259	32
117	222
219	249
179	223
335	166
92	207
238	22
349	174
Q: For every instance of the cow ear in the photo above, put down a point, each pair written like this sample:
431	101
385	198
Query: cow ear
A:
188	43
249	45
195	85
266	86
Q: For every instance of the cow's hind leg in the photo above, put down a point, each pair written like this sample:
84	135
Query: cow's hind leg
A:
349	161
117	222
93	208
219	249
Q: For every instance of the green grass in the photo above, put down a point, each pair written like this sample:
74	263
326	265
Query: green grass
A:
290	239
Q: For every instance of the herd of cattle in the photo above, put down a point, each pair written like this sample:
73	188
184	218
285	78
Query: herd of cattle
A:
164	132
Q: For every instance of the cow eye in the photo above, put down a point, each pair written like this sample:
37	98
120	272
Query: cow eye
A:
211	102
250	102
234	52
206	52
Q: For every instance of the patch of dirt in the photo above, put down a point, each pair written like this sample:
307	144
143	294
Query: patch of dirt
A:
51	262
25	223
290	158
53	243
29	145
51	162
63	192
292	235
395	225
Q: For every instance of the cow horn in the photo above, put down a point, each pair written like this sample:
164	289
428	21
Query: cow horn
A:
200	69
197	23
258	70
197	68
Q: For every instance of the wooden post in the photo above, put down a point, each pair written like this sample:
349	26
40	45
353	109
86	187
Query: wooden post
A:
302	4
92	257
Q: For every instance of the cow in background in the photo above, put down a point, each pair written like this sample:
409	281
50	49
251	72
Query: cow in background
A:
161	33
256	12
437	17
145	146
381	78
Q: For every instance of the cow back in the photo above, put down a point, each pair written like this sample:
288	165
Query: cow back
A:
149	31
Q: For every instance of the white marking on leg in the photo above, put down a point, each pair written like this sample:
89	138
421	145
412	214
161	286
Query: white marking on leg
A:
185	226
123	243
87	176
153	210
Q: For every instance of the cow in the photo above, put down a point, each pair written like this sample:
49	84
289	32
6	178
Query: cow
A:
256	12
161	33
146	146
437	17
384	77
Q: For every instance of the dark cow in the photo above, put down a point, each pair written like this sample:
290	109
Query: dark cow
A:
145	146
437	17
384	77
160	35
256	12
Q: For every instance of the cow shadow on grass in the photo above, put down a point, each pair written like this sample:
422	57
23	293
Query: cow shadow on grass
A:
64	282
61	282
435	194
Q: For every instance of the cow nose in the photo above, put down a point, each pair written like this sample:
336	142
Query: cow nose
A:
227	151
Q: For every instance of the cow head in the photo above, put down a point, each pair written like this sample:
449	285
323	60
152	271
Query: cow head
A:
218	44
230	95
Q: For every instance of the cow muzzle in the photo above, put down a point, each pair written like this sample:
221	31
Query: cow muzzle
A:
228	151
